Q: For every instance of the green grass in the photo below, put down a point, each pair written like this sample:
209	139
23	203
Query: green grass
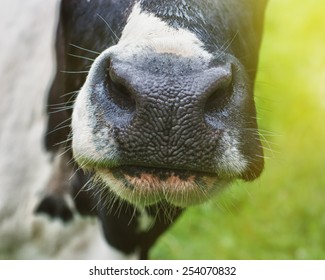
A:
281	215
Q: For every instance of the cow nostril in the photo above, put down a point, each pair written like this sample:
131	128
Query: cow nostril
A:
119	93
218	99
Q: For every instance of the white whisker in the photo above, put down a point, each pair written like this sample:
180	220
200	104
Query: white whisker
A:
70	93
74	72
84	49
82	57
112	31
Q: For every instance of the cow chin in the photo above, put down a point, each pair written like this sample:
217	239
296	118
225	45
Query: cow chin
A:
148	186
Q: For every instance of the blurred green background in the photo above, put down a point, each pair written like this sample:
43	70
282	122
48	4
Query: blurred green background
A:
281	215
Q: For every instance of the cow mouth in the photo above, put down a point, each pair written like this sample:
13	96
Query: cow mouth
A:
145	186
161	173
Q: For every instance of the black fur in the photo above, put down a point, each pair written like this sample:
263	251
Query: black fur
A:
55	206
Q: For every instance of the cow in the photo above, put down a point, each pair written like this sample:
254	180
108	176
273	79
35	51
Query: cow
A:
151	111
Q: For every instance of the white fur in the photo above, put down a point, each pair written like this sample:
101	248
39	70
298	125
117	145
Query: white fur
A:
85	143
232	161
82	126
145	30
145	221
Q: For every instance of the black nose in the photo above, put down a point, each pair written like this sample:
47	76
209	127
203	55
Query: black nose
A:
173	112
167	115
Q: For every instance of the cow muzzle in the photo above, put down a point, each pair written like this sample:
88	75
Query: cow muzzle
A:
163	127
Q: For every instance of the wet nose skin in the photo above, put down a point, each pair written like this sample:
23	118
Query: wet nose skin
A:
168	127
165	111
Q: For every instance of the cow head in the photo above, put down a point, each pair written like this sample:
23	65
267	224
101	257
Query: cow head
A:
167	111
